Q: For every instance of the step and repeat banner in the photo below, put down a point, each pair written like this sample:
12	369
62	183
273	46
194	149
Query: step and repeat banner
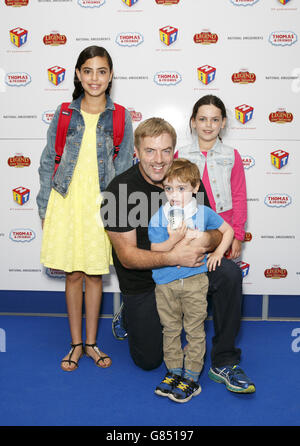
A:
166	54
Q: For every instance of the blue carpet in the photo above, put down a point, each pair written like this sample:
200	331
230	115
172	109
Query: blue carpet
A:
36	392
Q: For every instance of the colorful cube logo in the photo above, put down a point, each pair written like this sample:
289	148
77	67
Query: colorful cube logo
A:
244	113
279	158
168	34
56	75
284	2
130	2
244	267
206	74
18	36
21	195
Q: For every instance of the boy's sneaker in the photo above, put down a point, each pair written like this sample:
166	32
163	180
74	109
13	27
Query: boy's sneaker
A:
118	329
185	390
233	377
167	385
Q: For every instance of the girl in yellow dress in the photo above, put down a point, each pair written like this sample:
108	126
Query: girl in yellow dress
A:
74	239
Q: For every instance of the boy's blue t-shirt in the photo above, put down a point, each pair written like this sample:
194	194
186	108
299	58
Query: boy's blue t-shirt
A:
203	220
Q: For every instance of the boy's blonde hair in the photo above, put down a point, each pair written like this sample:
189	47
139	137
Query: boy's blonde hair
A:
154	127
184	170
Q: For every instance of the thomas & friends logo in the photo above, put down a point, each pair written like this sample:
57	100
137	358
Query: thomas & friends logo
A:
129	39
167	78
18	79
22	235
283	38
244	2
91	3
277	200
248	161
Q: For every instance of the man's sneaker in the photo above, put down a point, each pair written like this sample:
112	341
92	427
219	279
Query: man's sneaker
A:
167	385
233	377
185	390
118	330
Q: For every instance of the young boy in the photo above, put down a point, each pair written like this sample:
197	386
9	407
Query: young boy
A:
181	292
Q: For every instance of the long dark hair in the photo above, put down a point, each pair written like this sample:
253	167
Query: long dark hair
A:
208	100
89	53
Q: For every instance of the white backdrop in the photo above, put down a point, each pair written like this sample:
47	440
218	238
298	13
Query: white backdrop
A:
154	76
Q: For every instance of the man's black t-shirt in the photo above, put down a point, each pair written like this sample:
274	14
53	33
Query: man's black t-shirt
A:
129	203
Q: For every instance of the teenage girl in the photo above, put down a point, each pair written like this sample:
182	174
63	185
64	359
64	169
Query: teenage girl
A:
74	239
220	166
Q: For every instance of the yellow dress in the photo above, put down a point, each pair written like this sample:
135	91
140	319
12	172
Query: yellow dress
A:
74	238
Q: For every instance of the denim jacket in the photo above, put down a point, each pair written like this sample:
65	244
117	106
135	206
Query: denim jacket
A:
220	161
107	168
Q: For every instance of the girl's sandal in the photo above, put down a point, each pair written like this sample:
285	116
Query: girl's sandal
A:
69	360
101	358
